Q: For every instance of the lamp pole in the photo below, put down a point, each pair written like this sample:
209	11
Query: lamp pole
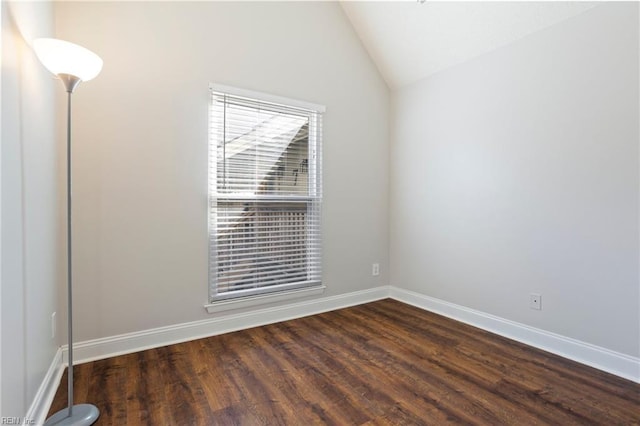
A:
70	87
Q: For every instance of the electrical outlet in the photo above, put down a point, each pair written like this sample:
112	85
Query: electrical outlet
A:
53	325
535	301
375	270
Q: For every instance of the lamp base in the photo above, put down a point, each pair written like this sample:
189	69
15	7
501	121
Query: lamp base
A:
83	415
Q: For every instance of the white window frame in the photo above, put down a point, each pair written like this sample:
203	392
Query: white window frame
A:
225	302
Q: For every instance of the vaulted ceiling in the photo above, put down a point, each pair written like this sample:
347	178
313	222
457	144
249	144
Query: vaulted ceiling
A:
410	40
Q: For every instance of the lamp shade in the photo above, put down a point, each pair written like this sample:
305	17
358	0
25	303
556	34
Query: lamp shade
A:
62	57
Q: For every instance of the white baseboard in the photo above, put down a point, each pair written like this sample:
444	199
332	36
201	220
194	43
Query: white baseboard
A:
92	350
607	360
604	359
47	391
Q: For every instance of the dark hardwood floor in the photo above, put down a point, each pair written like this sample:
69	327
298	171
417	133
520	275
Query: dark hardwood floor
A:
375	364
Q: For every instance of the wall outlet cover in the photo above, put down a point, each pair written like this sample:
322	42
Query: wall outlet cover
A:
535	301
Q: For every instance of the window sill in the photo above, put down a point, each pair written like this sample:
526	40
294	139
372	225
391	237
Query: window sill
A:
228	305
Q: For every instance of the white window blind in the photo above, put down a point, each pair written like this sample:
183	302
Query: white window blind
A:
265	194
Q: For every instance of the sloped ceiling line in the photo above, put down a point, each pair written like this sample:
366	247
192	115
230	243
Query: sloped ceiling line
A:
411	40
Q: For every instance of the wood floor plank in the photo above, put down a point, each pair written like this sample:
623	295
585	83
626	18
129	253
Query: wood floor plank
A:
382	363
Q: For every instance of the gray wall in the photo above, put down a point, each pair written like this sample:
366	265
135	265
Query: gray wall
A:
31	216
517	173
141	151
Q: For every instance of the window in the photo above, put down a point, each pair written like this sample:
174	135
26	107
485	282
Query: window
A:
265	194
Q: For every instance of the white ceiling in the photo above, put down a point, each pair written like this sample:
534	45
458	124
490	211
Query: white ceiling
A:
410	40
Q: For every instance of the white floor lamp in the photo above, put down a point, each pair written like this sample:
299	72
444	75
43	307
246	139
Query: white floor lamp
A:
72	64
